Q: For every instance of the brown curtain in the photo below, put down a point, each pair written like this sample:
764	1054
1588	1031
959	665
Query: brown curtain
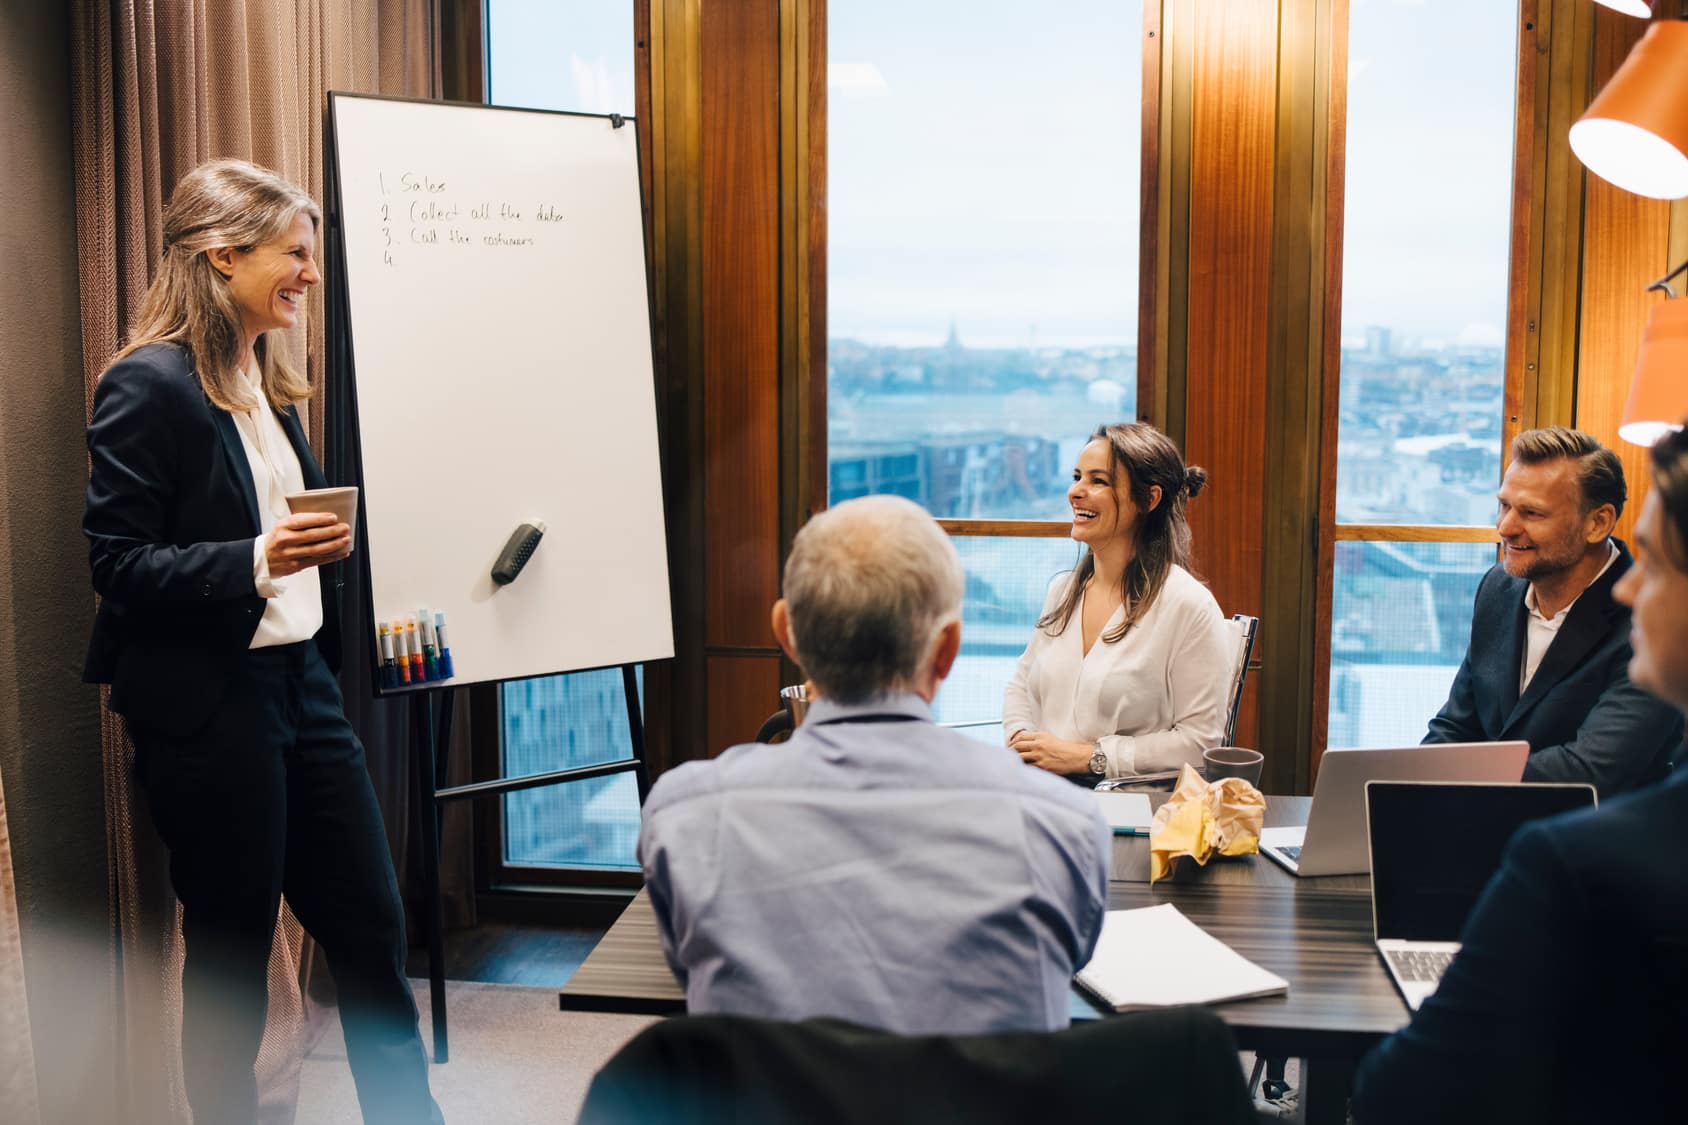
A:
18	1098
157	89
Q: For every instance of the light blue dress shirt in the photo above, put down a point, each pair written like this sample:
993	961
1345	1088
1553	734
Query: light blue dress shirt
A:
891	873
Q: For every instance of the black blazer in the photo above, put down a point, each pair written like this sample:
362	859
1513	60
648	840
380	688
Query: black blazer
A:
1582	717
1569	999
171	518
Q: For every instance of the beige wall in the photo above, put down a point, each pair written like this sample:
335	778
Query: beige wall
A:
49	721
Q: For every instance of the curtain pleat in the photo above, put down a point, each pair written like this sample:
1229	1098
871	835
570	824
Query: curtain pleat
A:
157	89
18	1094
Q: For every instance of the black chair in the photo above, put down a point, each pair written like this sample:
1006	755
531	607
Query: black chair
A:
1245	628
1178	1065
794	703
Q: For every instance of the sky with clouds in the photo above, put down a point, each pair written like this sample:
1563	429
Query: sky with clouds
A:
983	160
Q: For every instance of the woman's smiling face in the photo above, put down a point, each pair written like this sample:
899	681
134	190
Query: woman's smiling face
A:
268	282
1100	497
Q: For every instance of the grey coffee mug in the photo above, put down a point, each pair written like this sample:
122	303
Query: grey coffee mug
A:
1233	761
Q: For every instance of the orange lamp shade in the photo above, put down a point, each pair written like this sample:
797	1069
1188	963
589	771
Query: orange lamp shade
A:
1658	398
1635	133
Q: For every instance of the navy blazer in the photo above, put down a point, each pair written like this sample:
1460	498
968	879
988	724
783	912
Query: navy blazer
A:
1583	719
171	518
1569	999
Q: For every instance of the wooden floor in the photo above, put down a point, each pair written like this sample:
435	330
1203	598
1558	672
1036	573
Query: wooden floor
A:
511	953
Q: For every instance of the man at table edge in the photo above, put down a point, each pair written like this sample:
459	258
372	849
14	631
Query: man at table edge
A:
875	868
1568	999
1549	652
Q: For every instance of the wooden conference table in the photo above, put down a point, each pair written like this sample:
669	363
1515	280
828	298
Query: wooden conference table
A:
1316	933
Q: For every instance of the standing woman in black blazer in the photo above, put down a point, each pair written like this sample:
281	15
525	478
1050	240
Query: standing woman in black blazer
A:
218	632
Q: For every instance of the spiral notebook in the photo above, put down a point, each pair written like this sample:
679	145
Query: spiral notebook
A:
1154	957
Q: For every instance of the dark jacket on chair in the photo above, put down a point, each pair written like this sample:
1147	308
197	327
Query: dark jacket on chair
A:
171	519
1583	719
1178	1065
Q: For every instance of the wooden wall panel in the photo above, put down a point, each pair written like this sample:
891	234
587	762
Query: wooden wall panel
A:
674	131
743	690
1335	128
741	307
1549	389
1233	117
1529	168
1626	242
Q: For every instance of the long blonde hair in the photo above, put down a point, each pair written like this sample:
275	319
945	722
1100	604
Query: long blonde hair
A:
220	203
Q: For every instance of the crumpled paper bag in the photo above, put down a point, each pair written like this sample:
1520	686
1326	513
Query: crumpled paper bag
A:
1200	819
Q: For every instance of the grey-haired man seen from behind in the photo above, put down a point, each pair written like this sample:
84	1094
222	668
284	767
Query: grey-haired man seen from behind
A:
876	868
1548	661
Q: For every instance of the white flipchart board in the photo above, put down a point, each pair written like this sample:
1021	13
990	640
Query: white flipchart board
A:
500	325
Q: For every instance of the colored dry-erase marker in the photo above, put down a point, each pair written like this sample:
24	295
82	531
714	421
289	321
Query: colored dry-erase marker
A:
389	672
415	638
403	652
444	646
430	660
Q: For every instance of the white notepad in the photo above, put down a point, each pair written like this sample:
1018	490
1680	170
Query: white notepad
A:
1155	957
1128	814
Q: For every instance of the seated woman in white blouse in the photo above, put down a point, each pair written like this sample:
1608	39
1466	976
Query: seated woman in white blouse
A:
1128	671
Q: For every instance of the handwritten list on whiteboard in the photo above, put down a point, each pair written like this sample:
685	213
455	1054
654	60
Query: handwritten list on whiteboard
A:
500	325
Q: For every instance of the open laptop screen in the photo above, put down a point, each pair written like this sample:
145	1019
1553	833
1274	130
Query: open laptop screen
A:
1434	847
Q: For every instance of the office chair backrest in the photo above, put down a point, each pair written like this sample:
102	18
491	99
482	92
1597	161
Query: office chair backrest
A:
1245	628
1175	1065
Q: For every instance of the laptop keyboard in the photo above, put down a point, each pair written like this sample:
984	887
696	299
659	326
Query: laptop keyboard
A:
1292	853
1417	966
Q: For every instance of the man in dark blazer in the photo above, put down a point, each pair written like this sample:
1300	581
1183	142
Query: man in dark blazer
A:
1568	1001
1550	648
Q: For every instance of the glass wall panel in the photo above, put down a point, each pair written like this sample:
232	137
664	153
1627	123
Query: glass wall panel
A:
1400	623
549	54
1427	217
561	722
1007	580
577	57
982	247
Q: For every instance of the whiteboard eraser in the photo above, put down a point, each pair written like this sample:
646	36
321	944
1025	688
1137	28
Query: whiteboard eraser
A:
517	551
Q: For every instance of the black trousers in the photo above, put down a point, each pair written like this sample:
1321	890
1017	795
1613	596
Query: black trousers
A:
274	797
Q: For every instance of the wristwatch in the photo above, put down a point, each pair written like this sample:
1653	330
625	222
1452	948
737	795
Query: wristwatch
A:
1099	763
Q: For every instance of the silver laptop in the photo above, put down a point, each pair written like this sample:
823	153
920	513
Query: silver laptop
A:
1334	839
1434	847
985	730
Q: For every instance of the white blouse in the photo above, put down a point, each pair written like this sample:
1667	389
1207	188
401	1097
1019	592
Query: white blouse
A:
293	611
1152	701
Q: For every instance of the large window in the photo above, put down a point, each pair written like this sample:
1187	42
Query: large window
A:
578	57
982	280
1422	384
